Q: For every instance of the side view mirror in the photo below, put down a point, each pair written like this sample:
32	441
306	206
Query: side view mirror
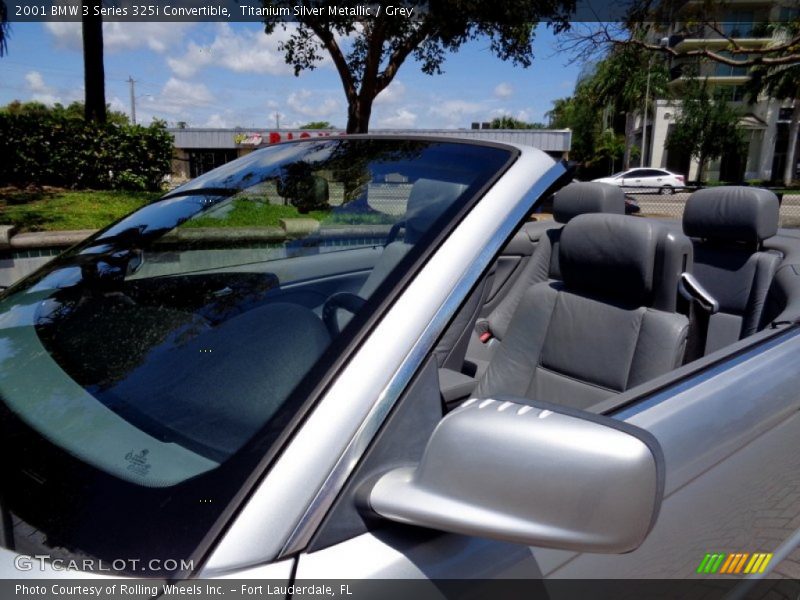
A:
539	475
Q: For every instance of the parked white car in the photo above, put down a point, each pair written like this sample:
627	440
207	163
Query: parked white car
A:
666	181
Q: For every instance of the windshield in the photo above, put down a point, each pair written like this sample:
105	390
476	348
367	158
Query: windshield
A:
145	372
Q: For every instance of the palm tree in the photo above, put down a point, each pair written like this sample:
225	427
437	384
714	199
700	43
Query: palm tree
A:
93	71
626	79
3	28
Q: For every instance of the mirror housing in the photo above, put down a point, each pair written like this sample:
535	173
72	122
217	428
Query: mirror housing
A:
541	475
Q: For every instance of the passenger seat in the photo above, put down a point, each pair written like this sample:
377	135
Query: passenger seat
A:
610	325
728	226
574	199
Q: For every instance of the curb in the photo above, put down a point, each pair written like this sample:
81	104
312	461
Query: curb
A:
6	232
47	239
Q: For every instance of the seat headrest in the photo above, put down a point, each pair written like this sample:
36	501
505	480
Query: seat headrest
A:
428	199
732	214
587	197
634	261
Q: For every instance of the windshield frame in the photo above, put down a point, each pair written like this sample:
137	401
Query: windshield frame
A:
347	347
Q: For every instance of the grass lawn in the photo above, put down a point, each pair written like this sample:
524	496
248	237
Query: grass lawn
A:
254	214
54	210
61	210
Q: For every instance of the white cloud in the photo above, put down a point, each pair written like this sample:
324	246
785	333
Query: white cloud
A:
393	93
521	114
217	120
249	51
503	90
40	91
309	104
456	113
157	36
179	98
116	104
400	118
66	34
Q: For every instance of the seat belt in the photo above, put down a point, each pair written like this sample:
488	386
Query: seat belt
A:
701	306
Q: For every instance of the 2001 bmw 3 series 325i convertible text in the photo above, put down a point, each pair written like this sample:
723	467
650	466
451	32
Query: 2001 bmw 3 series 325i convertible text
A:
429	383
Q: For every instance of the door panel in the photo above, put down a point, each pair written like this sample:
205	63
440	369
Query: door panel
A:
748	503
729	437
512	261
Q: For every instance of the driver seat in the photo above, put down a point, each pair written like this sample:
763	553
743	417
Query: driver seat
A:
610	325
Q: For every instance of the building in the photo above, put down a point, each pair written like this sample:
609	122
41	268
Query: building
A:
765	123
200	150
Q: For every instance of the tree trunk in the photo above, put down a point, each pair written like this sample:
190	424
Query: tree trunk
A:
701	168
93	73
629	121
791	149
358	114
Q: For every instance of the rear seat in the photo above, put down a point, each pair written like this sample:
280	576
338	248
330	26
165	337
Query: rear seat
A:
727	226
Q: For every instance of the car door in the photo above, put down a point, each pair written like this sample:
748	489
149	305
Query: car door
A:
512	261
728	433
655	178
633	179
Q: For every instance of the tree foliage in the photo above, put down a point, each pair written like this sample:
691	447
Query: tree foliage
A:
707	126
55	147
614	86
74	110
368	53
317	125
509	122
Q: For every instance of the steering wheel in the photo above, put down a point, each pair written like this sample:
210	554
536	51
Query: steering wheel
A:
345	300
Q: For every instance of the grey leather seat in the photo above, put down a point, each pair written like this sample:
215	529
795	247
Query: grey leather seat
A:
574	199
610	325
727	226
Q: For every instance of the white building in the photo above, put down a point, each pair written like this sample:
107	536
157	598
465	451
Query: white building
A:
765	123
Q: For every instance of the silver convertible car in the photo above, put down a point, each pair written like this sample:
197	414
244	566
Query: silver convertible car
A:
421	378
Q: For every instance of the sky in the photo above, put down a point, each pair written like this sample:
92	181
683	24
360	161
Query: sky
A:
233	75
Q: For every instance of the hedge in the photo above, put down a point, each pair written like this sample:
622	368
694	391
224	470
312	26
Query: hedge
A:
68	152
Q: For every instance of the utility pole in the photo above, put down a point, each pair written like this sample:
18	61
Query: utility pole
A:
131	84
277	120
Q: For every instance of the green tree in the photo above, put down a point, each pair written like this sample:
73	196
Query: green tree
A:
368	53
509	122
610	147
707	126
560	116
94	79
75	110
626	81
317	125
